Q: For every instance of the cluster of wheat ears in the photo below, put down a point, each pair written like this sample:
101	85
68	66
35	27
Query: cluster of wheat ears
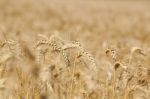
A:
57	69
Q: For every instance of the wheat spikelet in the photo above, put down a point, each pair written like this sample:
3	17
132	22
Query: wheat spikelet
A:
53	42
42	42
135	50
87	55
69	46
56	44
65	56
77	45
112	54
7	42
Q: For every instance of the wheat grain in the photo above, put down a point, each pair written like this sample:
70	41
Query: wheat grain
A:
88	56
136	50
62	48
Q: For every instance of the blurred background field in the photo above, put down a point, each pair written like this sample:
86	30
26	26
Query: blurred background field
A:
99	25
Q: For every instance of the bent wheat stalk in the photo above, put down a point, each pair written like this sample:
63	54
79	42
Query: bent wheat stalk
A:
61	46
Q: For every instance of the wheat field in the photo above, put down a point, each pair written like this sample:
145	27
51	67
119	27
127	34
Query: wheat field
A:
74	49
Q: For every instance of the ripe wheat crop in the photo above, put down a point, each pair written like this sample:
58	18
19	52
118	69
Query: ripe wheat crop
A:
74	49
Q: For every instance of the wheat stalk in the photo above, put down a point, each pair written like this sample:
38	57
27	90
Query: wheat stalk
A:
58	45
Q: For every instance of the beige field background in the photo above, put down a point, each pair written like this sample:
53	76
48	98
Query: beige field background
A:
74	49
